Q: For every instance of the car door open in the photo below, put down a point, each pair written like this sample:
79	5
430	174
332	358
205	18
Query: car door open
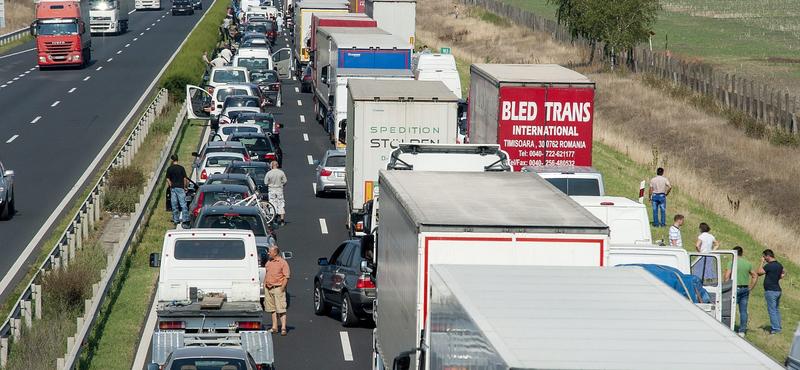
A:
710	268
200	103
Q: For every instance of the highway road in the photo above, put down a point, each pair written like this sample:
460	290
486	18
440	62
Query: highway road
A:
55	122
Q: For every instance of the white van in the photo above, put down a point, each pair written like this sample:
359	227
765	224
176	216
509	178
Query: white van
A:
625	254
571	180
253	59
626	218
438	67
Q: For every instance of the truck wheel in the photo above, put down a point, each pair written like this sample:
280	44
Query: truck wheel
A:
348	314
320	307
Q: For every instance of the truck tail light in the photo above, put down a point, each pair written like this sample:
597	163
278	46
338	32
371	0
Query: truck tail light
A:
270	157
196	210
365	282
204	175
360	226
171	325
249	325
325	172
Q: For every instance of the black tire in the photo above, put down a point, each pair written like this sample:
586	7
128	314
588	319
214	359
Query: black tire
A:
348	315
12	208
173	13
321	307
4	213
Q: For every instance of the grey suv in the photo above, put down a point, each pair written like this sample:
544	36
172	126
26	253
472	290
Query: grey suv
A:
347	281
7	208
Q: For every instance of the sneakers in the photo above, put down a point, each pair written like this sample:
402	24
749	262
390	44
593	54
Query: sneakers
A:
741	334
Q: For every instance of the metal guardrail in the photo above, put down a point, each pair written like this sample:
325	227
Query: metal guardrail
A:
29	305
13	36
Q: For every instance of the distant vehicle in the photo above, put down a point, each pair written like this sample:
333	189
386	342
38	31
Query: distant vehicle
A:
109	16
147	4
182	7
260	146
215	147
7	207
258	59
198	4
233	179
206	106
215	163
307	79
347	281
269	82
256	43
217	357
330	172
208	195
228	75
571	180
257	171
62	33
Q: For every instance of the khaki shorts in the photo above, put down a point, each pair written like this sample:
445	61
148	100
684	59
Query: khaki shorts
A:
275	300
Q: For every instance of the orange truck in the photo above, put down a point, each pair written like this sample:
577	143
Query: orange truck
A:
63	37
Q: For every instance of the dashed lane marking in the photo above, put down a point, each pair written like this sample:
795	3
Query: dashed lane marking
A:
36	119
323	228
310	159
299	103
347	351
55	103
99	68
302	119
16	136
87	78
72	90
305	137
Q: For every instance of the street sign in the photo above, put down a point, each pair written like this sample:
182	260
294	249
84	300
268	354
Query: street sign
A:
445	50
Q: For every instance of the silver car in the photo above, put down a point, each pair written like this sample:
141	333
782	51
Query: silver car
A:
330	172
6	193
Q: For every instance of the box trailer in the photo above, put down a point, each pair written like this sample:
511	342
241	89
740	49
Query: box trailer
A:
513	317
396	16
468	218
381	114
302	26
332	20
541	114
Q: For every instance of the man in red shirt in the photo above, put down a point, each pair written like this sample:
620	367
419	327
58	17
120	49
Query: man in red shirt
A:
275	286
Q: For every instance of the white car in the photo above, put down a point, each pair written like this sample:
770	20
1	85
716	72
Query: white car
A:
228	75
227	130
229	114
216	163
201	98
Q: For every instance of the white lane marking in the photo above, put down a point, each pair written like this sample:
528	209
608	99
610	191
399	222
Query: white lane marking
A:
323	226
26	72
18	53
3	85
302	118
297	89
16	78
158	20
141	33
36	119
299	103
9	82
148	28
99	68
32	69
131	12
72	90
21	75
314	185
109	59
346	350
127	45
305	137
152	25
135	38
119	52
310	159
56	103
16	136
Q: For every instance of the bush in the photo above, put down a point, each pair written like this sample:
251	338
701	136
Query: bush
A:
124	186
126	177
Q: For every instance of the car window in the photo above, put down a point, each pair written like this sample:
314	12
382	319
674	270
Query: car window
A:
227	182
255	143
224	93
560	183
230	130
253	64
209	250
255	173
229	76
264	77
221	161
211	197
583	187
335	161
234	222
335	256
347	256
226	150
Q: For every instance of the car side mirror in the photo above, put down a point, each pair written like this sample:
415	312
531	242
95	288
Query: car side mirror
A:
287	255
365	267
316	162
155	260
8	173
281	125
322	261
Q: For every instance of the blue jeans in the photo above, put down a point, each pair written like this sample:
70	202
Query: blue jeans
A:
180	211
773	298
659	203
742	296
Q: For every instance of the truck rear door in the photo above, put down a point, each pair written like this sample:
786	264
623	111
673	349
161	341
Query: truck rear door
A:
717	271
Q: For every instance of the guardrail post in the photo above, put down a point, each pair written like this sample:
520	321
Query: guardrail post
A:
36	289
27	314
60	364
71	240
15	329
3	352
63	251
96	201
71	249
84	224
70	344
79	322
56	263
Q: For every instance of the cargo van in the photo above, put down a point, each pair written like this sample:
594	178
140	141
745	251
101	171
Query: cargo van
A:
626	218
438	67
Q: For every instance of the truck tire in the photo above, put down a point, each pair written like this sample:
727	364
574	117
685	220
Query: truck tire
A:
348	315
321	308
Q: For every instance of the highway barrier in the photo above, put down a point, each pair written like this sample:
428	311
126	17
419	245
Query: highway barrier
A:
13	36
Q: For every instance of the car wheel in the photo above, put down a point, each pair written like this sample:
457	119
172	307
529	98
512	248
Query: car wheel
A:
4	212
12	209
348	314
320	306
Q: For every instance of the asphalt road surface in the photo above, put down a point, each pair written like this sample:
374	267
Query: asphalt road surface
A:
55	122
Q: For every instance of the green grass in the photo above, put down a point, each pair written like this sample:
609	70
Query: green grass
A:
622	176
13	44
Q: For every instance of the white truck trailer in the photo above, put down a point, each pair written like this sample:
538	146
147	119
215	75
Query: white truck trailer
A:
467	218
515	317
109	16
399	17
381	114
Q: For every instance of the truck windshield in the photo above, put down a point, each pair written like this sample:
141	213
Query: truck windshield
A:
208	363
66	28
254	64
233	221
209	250
103	5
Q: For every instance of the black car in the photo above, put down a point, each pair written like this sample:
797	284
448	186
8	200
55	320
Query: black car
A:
256	170
233	179
260	147
182	7
347	281
265	120
270	84
208	195
237	218
306	79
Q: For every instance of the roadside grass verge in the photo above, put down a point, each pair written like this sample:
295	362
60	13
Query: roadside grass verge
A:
13	44
624	162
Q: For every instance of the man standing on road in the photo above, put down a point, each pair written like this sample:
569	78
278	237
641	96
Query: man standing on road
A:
178	182
675	239
275	180
275	285
659	189
772	288
746	279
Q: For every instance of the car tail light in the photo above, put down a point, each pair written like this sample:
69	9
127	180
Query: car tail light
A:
204	175
196	210
365	282
249	325
275	129
275	87
270	157
325	172
230	214
171	325
247	157
360	226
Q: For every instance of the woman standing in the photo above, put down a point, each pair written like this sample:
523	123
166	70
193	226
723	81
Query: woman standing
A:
706	242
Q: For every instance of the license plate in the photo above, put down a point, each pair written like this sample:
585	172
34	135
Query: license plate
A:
339	174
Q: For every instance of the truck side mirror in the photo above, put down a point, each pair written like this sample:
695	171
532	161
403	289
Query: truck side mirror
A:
81	28
32	29
155	260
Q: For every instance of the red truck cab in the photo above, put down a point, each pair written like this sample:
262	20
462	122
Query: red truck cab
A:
62	33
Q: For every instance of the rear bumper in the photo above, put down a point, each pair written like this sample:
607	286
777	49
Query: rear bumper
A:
324	184
183	11
362	302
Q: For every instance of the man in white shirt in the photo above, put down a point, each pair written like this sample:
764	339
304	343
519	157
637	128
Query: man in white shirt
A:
675	239
276	180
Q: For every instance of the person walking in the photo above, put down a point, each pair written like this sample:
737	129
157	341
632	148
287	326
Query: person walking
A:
275	285
275	180
746	278
279	22
773	271
706	242
675	239
659	189
178	182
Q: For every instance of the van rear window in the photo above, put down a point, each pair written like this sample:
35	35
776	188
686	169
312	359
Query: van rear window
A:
574	186
209	250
